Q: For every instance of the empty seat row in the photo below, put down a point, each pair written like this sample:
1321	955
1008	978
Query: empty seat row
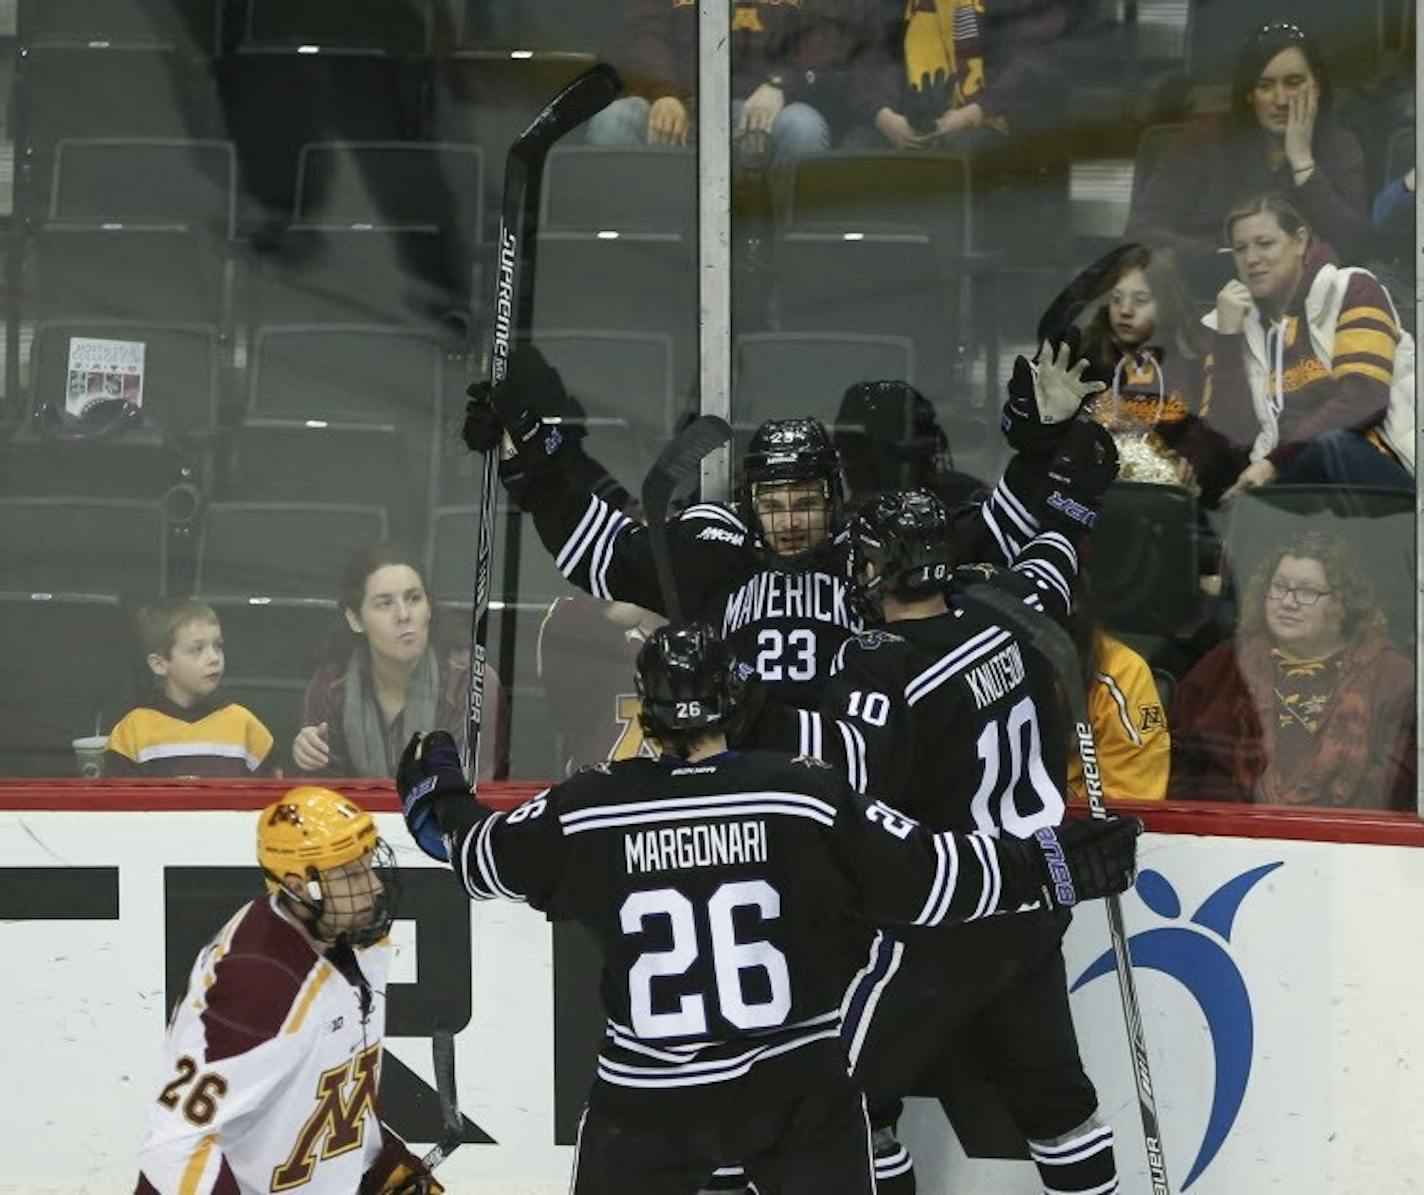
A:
192	183
269	101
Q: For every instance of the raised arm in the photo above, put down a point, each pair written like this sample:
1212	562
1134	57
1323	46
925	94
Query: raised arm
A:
593	542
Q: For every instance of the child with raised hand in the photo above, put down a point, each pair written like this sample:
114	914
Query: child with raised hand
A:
1143	342
186	729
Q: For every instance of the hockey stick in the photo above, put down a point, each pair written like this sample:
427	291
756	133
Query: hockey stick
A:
1057	647
676	466
513	309
442	1050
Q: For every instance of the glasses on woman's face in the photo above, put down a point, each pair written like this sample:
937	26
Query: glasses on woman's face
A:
1304	595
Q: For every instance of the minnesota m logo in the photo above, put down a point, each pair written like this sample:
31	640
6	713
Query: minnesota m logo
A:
341	1121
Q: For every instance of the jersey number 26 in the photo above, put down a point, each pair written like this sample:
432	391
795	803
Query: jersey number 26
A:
729	959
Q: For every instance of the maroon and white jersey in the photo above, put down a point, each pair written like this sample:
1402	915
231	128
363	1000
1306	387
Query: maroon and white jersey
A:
271	1065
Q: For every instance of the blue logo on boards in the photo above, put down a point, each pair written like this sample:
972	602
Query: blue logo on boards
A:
1196	956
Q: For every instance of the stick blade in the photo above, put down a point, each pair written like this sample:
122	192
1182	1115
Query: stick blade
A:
584	97
680	461
677	465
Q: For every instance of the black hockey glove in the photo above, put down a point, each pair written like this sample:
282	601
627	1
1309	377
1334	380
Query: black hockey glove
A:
1087	860
1045	394
1085	464
925	104
429	768
531	389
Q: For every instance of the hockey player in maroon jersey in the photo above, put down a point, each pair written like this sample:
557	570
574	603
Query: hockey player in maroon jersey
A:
716	883
273	1054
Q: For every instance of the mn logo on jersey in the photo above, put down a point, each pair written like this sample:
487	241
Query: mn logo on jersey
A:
337	1119
1151	718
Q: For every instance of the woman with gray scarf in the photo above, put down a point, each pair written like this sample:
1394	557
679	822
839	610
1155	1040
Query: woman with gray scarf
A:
387	677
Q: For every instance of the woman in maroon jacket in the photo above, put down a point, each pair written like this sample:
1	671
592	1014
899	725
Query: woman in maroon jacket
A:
1311	704
385	677
1278	136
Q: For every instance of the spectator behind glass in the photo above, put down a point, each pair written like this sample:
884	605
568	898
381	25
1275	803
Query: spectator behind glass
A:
956	74
1311	704
1124	707
1393	209
1144	343
1315	352
790	72
889	438
1279	136
586	653
385	678
187	728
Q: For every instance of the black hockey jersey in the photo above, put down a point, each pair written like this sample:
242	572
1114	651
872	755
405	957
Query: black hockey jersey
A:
786	623
954	718
717	891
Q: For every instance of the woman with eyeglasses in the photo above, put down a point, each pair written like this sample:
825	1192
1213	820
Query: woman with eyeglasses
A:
1312	355
1279	135
1310	704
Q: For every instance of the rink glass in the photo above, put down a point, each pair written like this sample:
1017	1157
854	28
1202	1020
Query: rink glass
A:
291	291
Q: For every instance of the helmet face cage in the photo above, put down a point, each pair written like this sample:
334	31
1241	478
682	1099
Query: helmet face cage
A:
354	902
792	517
687	680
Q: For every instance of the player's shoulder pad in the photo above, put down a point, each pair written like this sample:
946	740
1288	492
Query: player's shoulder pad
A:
874	640
712	522
966	576
593	783
805	775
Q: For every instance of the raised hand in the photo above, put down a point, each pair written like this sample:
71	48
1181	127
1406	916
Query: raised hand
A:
429	768
1058	384
1304	107
1233	305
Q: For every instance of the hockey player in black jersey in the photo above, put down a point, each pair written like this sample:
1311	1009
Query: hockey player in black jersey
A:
714	881
958	717
766	571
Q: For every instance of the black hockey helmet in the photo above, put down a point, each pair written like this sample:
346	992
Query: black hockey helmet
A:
888	437
784	451
687	680
906	535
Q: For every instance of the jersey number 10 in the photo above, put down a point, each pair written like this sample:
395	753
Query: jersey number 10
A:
729	959
1024	763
